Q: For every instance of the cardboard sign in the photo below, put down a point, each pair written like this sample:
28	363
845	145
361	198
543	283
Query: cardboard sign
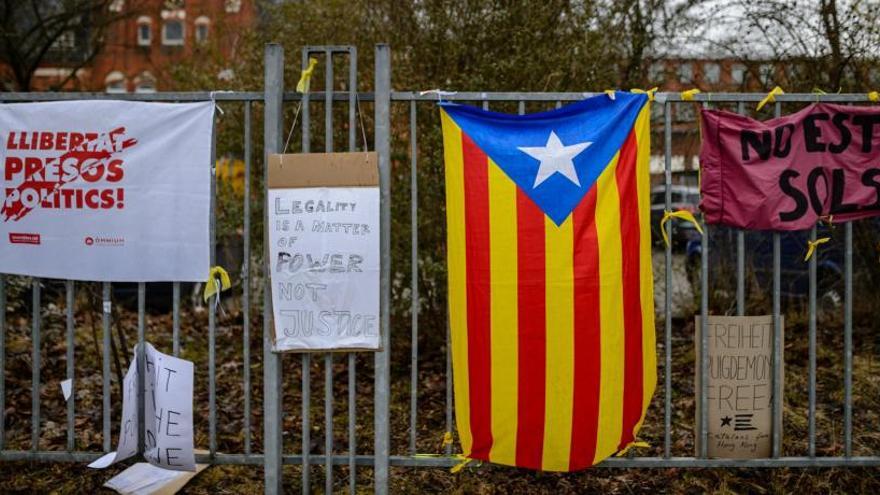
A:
112	191
740	386
323	220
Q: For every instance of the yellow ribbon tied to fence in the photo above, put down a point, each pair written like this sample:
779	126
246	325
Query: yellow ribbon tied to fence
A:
218	280
812	245
649	92
689	94
874	96
306	77
771	97
680	214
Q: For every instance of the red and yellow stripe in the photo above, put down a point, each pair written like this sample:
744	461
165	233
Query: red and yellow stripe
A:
552	326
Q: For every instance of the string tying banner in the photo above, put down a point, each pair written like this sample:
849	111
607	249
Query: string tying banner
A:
812	245
771	97
680	214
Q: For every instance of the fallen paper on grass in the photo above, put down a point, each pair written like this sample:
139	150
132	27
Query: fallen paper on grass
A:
146	479
66	388
168	430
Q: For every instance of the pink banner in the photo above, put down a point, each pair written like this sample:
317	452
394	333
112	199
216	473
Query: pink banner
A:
786	173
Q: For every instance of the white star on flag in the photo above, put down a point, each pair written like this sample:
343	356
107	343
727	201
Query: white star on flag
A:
555	158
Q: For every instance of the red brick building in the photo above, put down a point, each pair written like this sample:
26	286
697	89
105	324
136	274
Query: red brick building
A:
150	38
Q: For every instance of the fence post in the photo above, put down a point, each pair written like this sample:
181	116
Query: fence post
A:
273	116
383	148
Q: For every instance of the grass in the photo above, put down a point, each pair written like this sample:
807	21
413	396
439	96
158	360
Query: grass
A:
26	477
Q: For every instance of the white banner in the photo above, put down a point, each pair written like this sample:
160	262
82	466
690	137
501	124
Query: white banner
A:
106	190
324	262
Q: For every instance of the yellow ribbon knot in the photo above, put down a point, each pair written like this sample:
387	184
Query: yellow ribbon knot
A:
463	461
218	280
305	77
649	92
680	214
689	94
771	97
447	438
812	245
874	96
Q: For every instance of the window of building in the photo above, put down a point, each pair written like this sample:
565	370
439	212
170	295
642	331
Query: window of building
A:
145	31
66	41
233	6
115	82
685	112
685	72
202	24
145	83
657	72
768	73
738	73
172	32
117	5
711	73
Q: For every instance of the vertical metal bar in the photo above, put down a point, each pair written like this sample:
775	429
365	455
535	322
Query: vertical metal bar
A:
704	343
175	318
306	358
212	304
2	362
812	352
352	98
777	337
306	422
306	118
667	366
246	281
777	402
847	342
141	360
69	302
414	278
740	256
521	107
448	447
273	120
382	358
36	322
352	363
105	363
328	358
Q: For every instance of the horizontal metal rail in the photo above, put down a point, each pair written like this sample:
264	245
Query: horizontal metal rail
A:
344	96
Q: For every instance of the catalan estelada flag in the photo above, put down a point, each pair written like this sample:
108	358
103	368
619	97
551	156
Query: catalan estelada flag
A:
551	302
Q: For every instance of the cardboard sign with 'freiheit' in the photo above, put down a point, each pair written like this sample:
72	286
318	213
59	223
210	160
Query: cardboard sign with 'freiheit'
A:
740	398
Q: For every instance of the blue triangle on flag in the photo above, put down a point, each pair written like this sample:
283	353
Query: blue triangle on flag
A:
517	143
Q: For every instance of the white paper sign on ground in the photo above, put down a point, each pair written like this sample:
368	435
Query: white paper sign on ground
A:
324	263
146	479
105	190
168	416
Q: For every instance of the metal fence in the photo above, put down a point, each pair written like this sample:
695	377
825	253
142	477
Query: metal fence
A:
334	458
